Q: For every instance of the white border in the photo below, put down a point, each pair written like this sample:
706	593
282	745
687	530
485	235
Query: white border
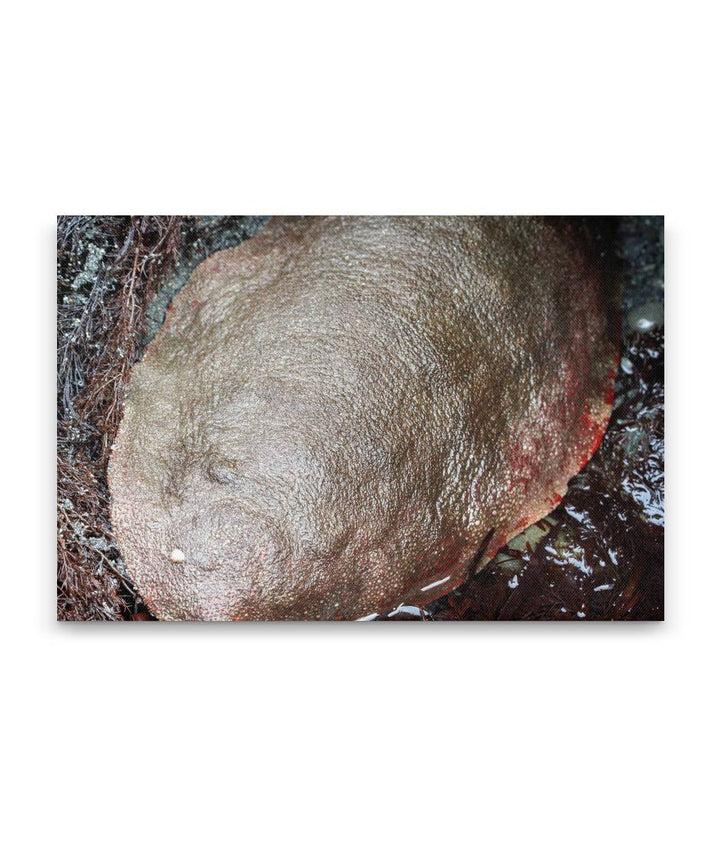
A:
361	737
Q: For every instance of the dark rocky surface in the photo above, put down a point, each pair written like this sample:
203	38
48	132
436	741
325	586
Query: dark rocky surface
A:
640	246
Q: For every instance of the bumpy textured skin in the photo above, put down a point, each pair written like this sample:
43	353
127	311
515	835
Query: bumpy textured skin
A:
343	414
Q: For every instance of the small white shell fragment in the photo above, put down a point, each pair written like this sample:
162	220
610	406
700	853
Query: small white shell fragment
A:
646	317
177	555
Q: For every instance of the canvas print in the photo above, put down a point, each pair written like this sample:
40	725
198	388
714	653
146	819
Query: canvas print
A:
360	418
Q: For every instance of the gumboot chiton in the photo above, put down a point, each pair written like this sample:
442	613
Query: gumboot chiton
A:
347	413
